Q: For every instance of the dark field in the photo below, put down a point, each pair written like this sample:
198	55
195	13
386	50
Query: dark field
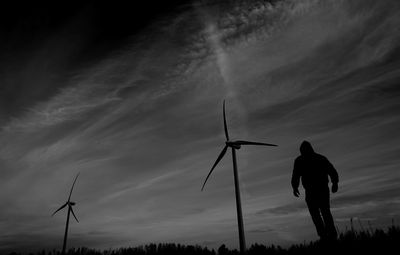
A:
367	241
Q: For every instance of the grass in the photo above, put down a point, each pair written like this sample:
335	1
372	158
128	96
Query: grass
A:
363	242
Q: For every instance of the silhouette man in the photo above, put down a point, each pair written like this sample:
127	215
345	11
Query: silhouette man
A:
314	169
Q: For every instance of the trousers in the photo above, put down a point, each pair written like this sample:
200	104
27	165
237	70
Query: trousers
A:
319	207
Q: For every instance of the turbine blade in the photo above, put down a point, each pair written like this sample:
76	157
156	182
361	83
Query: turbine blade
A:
70	193
73	214
254	143
225	126
221	155
59	209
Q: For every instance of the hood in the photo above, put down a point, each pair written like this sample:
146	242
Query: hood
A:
306	148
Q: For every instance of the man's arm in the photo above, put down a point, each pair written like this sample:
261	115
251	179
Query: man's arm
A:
333	174
296	179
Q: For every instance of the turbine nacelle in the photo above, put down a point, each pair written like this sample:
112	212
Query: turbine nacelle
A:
72	203
233	144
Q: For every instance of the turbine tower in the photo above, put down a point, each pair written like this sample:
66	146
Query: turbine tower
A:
234	145
69	203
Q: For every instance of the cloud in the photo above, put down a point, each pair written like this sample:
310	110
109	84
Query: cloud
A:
143	126
376	196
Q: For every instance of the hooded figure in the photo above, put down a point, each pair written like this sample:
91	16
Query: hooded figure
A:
313	169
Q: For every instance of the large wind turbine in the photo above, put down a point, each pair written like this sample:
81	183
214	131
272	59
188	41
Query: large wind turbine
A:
69	203
235	145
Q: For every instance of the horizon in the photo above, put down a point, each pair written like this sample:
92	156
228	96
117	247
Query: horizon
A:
131	98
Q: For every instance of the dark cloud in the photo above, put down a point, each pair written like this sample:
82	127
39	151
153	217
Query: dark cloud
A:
260	230
285	209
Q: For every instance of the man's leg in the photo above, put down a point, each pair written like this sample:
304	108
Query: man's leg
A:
328	218
312	204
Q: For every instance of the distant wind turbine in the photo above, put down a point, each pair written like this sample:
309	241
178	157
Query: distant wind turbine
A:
69	203
235	145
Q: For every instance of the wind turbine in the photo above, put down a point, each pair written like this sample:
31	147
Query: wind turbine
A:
235	145
69	203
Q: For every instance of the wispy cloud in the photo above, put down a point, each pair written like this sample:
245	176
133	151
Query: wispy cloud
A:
143	126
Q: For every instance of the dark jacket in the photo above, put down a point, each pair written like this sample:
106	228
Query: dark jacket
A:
313	169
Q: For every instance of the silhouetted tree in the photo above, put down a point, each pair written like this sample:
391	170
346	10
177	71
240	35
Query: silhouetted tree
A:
362	242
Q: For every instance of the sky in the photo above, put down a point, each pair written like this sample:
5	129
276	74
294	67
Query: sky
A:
131	98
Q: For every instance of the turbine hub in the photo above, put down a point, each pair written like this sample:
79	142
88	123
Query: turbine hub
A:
233	145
